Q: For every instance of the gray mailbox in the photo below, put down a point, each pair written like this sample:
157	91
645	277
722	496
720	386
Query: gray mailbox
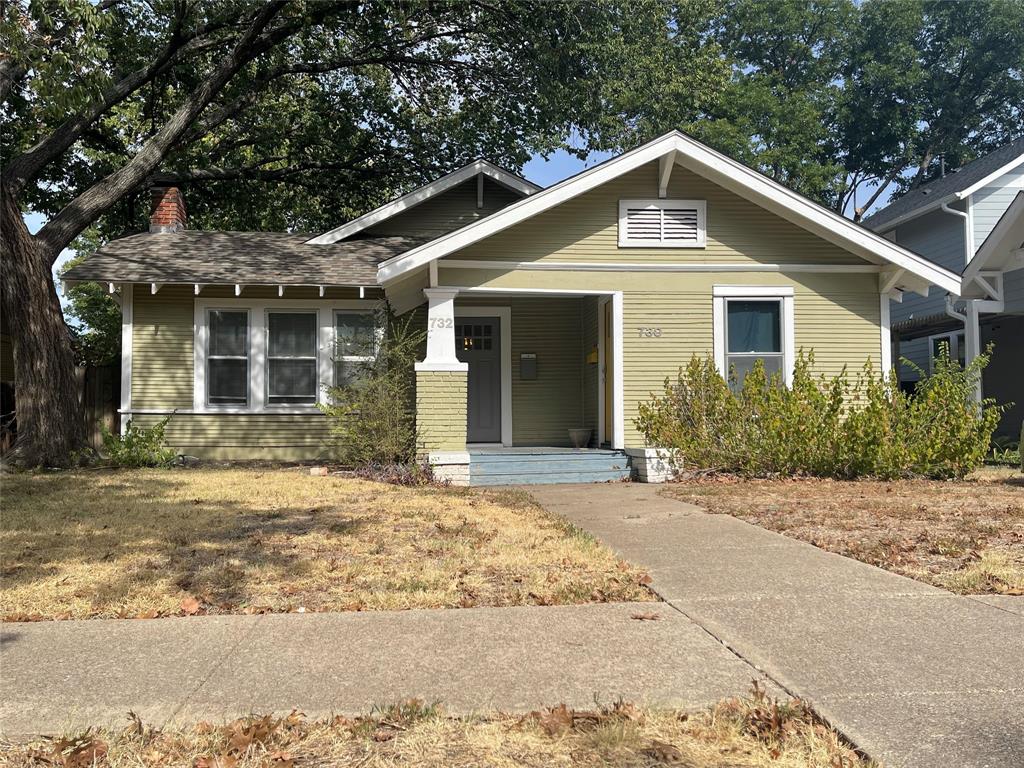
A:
527	366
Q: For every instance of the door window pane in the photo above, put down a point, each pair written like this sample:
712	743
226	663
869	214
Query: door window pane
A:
227	363
291	358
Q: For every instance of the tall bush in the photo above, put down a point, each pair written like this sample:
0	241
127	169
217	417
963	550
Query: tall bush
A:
372	414
823	426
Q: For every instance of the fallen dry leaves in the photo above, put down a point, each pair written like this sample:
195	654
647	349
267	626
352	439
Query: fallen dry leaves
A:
748	732
964	536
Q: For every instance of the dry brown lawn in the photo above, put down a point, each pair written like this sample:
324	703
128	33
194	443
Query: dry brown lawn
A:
736	733
967	536
147	543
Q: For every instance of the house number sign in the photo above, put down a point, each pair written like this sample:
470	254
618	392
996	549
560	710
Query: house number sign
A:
649	333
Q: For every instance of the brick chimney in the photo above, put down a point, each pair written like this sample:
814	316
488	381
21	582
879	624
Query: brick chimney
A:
168	210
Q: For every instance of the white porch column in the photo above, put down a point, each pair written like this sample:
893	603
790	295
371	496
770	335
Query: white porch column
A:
972	338
441	331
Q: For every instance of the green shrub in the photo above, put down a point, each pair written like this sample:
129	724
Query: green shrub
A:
822	426
373	414
138	446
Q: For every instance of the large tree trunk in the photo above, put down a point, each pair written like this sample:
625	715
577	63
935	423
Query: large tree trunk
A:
48	403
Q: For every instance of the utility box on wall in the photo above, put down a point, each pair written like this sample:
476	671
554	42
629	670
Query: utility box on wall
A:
527	366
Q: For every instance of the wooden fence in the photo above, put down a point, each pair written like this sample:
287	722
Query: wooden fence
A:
101	397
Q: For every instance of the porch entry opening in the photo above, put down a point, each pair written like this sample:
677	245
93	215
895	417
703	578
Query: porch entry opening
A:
478	343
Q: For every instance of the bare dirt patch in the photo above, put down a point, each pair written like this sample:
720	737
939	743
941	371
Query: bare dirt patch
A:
148	543
967	536
750	732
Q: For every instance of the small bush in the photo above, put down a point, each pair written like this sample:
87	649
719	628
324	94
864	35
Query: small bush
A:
823	426
373	414
138	446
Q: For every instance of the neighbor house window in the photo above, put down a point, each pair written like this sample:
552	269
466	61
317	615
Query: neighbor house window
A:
356	338
956	344
662	223
292	358
753	323
227	363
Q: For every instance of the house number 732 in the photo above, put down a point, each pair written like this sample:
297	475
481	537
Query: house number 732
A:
441	322
650	333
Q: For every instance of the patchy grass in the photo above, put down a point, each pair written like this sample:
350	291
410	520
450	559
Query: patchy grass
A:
146	543
967	536
752	732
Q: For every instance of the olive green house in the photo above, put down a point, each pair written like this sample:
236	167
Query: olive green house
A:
550	313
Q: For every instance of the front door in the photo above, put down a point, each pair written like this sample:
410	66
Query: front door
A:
478	342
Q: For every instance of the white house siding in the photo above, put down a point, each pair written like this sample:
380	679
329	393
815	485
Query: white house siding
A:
939	236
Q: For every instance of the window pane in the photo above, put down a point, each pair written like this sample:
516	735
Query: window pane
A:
743	365
754	326
292	334
291	381
229	381
347	372
229	333
356	335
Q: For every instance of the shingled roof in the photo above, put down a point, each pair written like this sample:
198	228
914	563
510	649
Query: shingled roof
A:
933	193
251	258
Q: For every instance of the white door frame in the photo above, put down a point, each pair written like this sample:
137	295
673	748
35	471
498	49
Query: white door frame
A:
504	315
617	437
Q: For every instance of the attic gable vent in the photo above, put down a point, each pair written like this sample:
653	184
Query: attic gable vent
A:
662	223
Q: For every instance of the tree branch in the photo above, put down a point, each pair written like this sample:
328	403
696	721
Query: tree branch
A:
77	215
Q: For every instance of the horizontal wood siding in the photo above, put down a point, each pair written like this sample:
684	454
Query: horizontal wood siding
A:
247	436
586	229
447	212
162	348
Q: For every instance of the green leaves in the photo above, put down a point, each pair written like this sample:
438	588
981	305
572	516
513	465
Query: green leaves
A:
819	426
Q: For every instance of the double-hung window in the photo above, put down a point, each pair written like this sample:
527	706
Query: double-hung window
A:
751	324
355	343
292	358
227	362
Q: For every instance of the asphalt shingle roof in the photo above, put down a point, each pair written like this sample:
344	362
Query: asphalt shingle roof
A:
271	258
950	184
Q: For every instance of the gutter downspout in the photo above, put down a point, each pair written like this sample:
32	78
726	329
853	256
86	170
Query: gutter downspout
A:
972	330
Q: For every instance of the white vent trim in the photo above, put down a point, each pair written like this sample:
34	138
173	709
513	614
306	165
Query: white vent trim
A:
662	223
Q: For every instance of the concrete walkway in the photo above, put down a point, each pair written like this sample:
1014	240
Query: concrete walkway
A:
914	675
60	676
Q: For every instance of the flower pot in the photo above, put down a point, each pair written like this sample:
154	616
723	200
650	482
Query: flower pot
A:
580	438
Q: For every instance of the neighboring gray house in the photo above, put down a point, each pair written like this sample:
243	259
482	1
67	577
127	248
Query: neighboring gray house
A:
968	221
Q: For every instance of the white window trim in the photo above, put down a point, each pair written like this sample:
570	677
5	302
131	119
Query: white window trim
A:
258	309
782	294
700	206
318	353
248	356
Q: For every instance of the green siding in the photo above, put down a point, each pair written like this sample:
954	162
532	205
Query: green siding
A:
586	229
441	410
247	436
446	212
162	348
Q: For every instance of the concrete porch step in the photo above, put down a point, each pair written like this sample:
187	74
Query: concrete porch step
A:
548	478
514	466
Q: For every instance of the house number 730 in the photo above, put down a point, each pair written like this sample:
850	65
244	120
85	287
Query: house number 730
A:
650	333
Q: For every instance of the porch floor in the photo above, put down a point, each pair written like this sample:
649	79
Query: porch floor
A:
528	465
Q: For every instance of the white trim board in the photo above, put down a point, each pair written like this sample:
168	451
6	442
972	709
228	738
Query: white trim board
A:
127	324
717	168
504	315
650	266
479	168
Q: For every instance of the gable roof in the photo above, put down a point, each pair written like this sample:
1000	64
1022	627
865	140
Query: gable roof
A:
478	167
252	258
953	186
1002	250
913	270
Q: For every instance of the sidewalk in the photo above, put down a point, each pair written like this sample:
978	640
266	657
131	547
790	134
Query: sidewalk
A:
60	676
914	675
